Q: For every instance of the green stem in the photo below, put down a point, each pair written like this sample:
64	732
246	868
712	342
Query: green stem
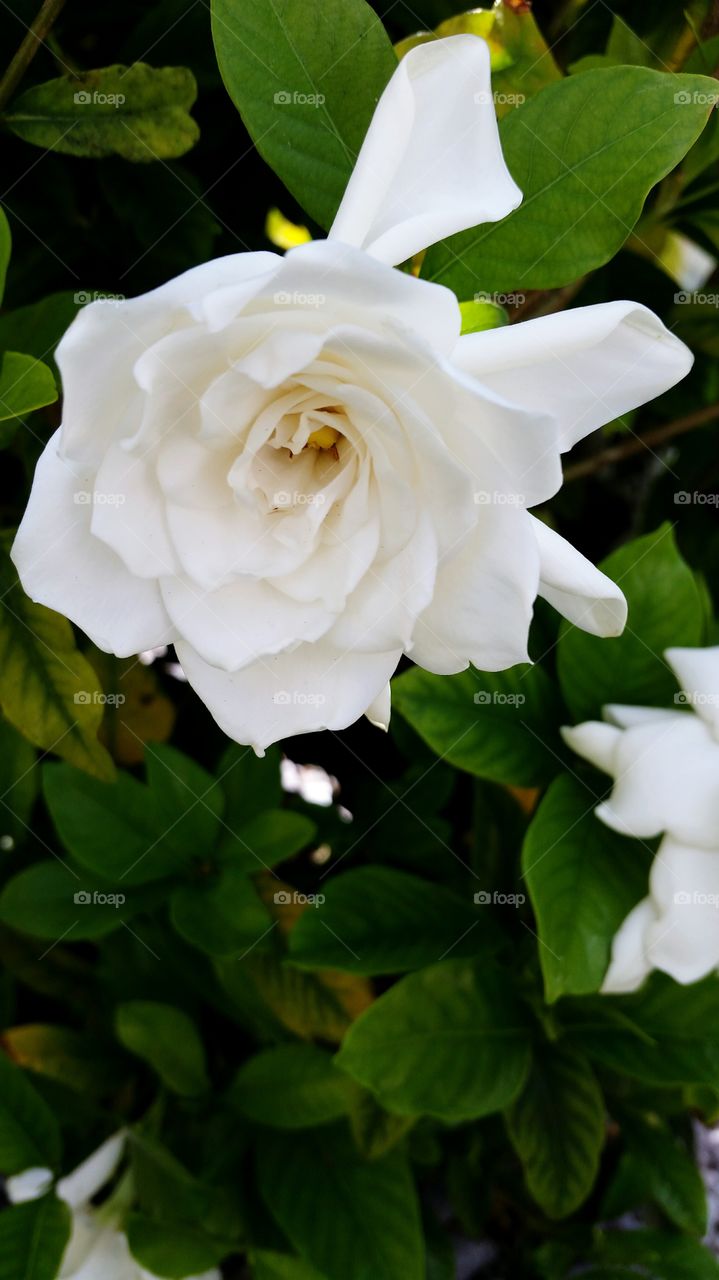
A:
36	33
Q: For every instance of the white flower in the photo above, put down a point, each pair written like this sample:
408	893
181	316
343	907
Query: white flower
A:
665	764
97	1248
296	470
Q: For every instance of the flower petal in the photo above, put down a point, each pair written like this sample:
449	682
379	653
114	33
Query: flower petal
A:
698	673
596	742
63	566
629	964
80	1186
684	884
431	162
585	366
575	588
29	1185
313	687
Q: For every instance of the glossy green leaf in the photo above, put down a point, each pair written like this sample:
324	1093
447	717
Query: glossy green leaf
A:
172	1251
38	327
5	248
450	1041
250	784
48	690
138	112
369	1224
55	901
659	1256
585	152
478	316
167	1039
25	385
268	839
668	1171
306	82
583	879
19	780
33	1237
377	920
294	1086
557	1126
497	725
29	1133
521	61
665	609
282	1266
186	801
222	916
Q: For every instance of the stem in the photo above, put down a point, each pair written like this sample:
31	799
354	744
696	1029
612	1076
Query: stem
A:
36	33
658	436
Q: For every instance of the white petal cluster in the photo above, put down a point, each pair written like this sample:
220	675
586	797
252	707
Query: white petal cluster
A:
665	765
296	470
97	1248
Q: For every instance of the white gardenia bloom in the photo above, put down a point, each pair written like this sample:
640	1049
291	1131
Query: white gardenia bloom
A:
97	1248
296	470
665	765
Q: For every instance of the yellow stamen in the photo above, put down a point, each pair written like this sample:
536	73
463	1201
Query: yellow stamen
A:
323	438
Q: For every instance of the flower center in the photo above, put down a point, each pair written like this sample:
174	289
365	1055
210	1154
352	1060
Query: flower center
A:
323	438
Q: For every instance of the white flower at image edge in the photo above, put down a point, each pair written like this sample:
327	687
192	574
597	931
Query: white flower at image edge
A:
296	470
97	1249
665	764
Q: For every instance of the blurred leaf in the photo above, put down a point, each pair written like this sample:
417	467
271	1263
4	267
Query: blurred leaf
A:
187	803
268	839
29	1133
295	1086
167	1039
659	1255
450	1042
171	1252
585	152
139	712
222	915
668	1172
74	1058
137	112
377	920
5	247
496	725
18	782
33	1237
313	1005
522	64
624	48
375	1130
369	1223
250	784
25	385
50	900
281	1266
557	1127
306	83
665	609
583	879
38	328
47	689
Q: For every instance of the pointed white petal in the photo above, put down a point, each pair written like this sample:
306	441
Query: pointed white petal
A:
575	588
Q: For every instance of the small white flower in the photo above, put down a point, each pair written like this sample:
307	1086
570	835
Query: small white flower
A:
665	764
97	1248
341	384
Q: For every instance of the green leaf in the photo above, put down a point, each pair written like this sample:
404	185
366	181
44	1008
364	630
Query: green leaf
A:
29	1133
377	920
659	1256
167	1039
5	247
665	609
138	112
294	1086
50	900
375	1130
450	1041
173	1252
585	152
222	916
666	1034
25	385
369	1225
110	828
48	690
268	838
18	782
583	879
33	1237
186	800
521	62
38	327
498	725
282	1266
74	1058
250	784
314	1006
668	1171
306	82
557	1127
478	316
